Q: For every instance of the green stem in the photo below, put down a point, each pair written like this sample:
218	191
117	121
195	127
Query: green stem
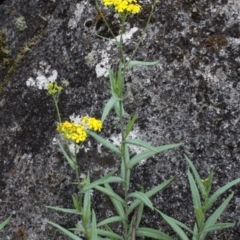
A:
144	31
55	99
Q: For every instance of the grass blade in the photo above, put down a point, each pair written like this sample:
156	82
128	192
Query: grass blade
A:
148	153
66	210
4	223
152	233
65	231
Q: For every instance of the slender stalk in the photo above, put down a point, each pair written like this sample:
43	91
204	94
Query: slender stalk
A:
55	99
144	31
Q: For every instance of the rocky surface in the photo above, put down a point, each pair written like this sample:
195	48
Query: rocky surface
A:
191	96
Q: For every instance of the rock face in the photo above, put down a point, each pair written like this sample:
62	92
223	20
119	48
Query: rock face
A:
191	96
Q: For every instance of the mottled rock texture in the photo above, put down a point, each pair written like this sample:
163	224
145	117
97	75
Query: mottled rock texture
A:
191	96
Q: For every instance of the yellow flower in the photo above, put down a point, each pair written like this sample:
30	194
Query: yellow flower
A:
123	6
76	132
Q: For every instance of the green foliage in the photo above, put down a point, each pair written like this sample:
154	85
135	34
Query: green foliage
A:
202	203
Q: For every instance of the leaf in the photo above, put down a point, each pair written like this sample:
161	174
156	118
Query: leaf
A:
220	191
106	179
65	231
130	124
195	232
214	217
66	210
182	225
194	191
111	220
150	193
4	223
117	109
174	226
142	197
140	63
87	205
110	194
196	176
152	233
140	143
139	214
110	104
109	234
94	235
117	205
218	226
200	217
104	142
148	153
70	161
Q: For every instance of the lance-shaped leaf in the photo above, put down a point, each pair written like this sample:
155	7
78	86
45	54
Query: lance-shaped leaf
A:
65	210
4	223
111	220
142	197
65	231
106	179
140	143
214	217
130	125
140	63
104	142
109	234
110	104
196	176
117	205
70	161
218	226
150	193
174	226
220	191
148	153
94	234
110	194
152	233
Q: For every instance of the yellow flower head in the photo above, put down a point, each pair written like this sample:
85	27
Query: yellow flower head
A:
123	6
54	88
76	132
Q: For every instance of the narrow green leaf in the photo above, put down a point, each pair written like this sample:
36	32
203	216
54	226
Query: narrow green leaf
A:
106	179
123	170
139	214
220	191
214	217
109	234
196	176
148	153
150	193
142	197
70	161
152	233
200	217
109	193
111	220
94	234
130	125
218	226
141	63
65	231
117	205
117	109
194	191
182	225
66	210
87	206
195	232
174	226
4	223
140	143
105	143
110	104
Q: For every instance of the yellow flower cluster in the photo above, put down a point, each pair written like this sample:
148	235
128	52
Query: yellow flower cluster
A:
76	132
53	88
124	6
